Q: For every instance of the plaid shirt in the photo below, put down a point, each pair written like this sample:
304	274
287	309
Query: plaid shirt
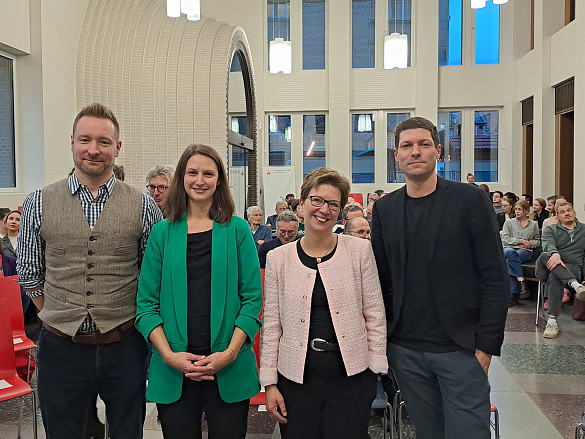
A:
31	255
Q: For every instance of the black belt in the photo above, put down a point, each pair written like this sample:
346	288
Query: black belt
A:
320	345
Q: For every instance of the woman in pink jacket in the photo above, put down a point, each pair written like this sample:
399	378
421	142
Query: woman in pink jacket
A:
324	335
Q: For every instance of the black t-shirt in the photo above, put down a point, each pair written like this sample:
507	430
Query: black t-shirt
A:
419	326
321	325
199	293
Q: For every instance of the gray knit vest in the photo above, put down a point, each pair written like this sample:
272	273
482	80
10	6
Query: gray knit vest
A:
90	271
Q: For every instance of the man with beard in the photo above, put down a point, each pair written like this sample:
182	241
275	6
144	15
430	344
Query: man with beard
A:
82	241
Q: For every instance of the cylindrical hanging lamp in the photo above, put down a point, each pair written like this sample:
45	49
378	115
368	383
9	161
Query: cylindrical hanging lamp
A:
478	4
174	8
500	2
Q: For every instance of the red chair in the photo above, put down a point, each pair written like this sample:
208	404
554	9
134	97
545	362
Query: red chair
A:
10	290
258	399
11	386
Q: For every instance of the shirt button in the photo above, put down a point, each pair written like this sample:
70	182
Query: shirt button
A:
302	320
305	296
88	293
90	252
309	275
331	288
325	269
336	312
90	266
92	238
301	343
342	335
89	279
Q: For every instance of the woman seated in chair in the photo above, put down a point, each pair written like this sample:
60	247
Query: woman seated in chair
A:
324	335
506	214
539	212
8	268
520	236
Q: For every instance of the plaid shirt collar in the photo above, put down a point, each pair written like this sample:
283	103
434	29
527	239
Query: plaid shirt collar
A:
75	184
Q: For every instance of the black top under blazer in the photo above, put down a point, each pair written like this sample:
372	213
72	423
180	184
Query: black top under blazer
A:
468	276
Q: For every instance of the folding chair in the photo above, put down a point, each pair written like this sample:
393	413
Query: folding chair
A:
11	386
10	290
496	422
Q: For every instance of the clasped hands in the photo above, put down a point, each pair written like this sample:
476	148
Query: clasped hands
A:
199	367
525	244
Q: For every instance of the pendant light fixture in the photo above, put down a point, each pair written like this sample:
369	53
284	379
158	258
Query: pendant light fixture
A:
396	45
500	2
280	52
191	8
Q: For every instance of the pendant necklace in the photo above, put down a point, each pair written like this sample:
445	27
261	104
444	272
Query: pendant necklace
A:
320	257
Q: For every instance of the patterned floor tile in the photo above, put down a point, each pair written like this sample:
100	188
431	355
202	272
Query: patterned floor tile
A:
545	359
563	411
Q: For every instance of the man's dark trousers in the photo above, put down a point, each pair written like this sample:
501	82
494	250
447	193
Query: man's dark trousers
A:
71	374
556	280
427	379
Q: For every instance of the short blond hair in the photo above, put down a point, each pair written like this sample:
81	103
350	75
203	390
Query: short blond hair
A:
99	111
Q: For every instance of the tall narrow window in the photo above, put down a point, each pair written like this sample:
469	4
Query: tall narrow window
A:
278	21
313	143
279	139
362	148
449	125
395	175
485	145
399	20
363	33
487	34
7	138
450	31
313	34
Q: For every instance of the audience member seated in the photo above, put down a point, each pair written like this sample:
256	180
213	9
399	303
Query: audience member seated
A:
369	211
485	188
511	197
553	219
539	212
471	179
261	233
550	203
380	193
4	211
158	180
372	197
526	197
497	201
358	227
281	206
119	172
506	214
289	199
9	242
520	236
286	231
8	268
297	209
561	262
353	210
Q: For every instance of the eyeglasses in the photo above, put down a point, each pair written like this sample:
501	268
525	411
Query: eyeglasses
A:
361	232
290	233
318	202
151	188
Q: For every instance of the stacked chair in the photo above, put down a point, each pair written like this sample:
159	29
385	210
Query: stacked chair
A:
11	386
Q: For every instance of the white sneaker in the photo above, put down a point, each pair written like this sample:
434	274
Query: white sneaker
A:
552	329
580	293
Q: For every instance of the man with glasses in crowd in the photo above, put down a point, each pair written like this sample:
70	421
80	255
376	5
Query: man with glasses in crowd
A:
287	226
281	206
158	181
358	227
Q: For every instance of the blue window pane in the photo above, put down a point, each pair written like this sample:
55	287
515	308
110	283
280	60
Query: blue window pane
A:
313	35
7	145
485	146
235	67
449	126
279	139
313	143
487	34
450	31
395	175
278	21
362	148
363	36
399	19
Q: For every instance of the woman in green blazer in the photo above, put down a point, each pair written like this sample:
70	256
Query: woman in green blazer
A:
199	298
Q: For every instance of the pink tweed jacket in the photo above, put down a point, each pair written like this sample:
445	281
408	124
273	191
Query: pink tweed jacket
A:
353	290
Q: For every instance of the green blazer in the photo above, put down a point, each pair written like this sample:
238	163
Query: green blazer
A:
236	300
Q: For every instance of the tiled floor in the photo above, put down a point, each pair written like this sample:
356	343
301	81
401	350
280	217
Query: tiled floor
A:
538	386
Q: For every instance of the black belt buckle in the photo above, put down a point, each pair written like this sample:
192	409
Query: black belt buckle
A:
312	344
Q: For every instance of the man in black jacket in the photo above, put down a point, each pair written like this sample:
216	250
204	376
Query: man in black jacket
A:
444	283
